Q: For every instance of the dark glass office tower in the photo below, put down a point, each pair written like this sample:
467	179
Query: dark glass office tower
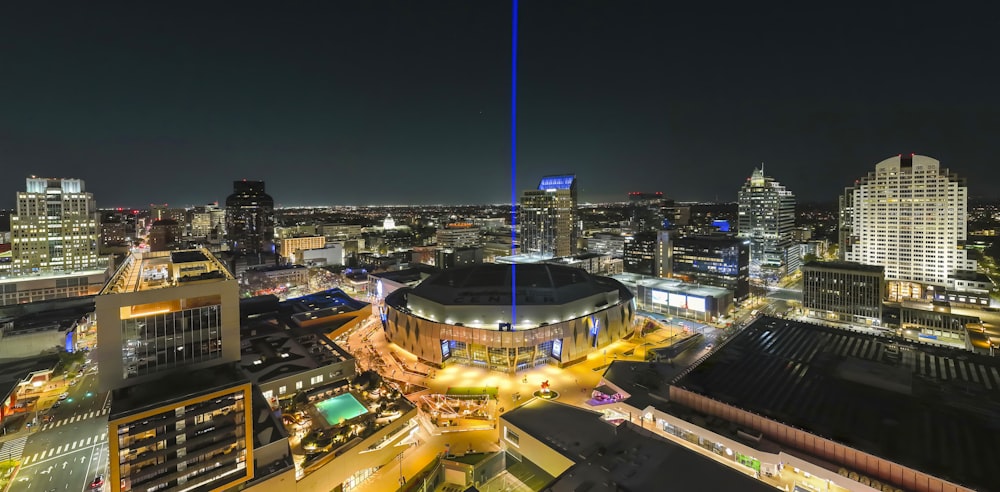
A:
250	218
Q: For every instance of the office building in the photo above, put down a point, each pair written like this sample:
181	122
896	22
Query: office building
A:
766	218
250	219
664	264
55	228
457	257
843	291
719	261
645	210
909	216
290	247
206	220
165	235
548	217
458	235
640	253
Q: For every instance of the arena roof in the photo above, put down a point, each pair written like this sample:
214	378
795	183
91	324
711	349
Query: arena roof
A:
491	283
932	409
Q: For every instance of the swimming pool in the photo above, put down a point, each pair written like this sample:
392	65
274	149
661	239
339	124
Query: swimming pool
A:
344	406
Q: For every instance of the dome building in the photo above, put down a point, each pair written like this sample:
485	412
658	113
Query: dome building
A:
465	315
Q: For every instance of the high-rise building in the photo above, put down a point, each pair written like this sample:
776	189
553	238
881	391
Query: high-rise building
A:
549	218
719	261
909	216
55	228
645	210
766	218
168	339
250	218
458	235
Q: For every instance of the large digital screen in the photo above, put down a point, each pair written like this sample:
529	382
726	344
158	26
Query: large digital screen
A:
696	304
445	349
557	348
678	300
659	297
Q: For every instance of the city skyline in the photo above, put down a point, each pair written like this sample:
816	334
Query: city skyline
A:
410	104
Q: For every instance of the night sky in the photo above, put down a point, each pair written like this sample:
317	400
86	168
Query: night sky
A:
370	102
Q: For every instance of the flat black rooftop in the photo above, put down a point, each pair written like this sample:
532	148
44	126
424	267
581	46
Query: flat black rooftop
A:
173	388
845	265
187	256
933	409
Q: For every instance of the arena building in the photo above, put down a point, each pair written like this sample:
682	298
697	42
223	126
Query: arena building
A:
466	315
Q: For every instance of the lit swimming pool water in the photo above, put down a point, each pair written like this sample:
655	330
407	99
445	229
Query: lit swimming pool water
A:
344	406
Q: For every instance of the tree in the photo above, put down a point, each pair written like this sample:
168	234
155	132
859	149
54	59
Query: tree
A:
808	257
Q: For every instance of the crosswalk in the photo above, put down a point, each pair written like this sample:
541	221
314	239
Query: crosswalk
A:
13	448
65	448
75	418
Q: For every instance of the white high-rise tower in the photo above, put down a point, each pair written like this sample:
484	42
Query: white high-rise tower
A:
766	218
910	217
55	228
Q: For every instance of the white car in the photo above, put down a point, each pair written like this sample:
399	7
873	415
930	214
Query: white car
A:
63	396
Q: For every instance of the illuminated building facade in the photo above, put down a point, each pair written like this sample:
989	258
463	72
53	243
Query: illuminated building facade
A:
549	218
458	236
464	315
183	434
290	247
168	339
766	218
55	228
843	291
909	216
250	218
719	261
640	253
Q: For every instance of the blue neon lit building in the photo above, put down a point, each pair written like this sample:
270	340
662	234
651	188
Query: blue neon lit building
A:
548	217
719	261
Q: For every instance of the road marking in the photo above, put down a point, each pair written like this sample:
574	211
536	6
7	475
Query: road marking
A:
88	440
59	450
73	445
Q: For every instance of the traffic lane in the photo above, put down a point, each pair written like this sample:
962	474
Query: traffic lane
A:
65	471
65	464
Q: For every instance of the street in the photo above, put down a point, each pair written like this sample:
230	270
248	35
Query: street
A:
70	450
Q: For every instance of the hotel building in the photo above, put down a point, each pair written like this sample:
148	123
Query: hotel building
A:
909	216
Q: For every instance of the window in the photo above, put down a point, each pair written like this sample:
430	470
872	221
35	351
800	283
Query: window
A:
298	385
316	379
510	436
282	390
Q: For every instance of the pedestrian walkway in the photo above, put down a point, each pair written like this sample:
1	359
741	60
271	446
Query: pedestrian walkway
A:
11	450
75	418
66	448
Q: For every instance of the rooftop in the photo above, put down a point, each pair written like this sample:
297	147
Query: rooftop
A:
932	409
490	284
674	285
272	348
613	458
147	271
174	388
845	265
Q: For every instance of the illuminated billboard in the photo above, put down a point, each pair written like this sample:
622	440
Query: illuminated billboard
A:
696	304
445	349
659	297
557	348
678	300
